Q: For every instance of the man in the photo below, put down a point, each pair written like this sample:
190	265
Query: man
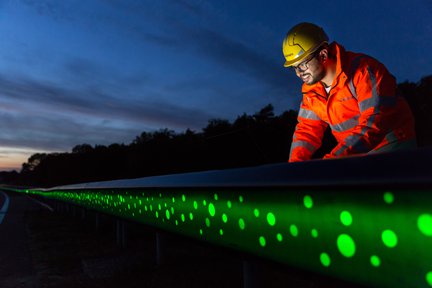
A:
352	93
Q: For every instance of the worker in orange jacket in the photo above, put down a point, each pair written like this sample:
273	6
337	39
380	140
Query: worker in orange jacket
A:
352	93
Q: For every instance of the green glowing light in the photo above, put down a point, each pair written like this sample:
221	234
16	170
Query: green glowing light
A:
221	232
172	210
262	241
195	204
176	223
424	224
191	216
157	214
307	201
216	197
293	230
242	224
388	197
314	233
241	199
256	212
183	198
204	202
173	200
389	238
167	214
271	219
183	218
159	207
375	261
207	222
201	231
325	259
346	218
429	278
346	245
279	237
224	218
229	204
211	209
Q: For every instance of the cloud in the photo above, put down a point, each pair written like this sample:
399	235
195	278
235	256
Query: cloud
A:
43	115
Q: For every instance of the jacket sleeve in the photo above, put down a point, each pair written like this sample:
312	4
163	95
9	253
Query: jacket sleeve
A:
375	90
308	134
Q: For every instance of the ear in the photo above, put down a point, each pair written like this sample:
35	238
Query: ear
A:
323	55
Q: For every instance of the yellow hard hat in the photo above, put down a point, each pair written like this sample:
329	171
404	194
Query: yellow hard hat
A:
301	41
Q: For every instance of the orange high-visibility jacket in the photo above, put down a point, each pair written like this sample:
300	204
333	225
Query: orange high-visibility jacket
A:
363	110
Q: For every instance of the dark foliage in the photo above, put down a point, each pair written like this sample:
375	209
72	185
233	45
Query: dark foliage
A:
250	140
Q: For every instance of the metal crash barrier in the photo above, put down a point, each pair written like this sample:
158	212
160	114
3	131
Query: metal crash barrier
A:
367	220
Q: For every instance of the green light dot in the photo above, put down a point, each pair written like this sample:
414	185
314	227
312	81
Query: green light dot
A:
151	208
129	206
221	232
224	218
271	219
262	241
307	201
346	245
183	198
256	212
211	209
139	202
242	224
173	200
314	233
195	204
176	222
183	218
375	261
241	199
229	204
346	218
279	237
204	202
207	222
293	230
325	259
167	214
216	197
388	197
201	231
191	216
172	210
159	207
424	224
429	278
157	214
389	238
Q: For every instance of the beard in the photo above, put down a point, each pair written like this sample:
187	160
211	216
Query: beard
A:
315	76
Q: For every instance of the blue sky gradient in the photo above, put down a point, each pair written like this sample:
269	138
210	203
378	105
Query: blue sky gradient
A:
103	71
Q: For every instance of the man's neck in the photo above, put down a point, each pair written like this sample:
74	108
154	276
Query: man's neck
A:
330	75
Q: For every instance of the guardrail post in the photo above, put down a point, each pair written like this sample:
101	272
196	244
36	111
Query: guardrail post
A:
96	221
251	277
160	243
121	236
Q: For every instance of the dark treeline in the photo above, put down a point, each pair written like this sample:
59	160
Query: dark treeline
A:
250	140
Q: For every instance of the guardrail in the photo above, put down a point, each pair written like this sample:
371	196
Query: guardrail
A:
367	219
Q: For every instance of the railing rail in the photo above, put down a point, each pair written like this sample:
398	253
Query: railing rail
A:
367	220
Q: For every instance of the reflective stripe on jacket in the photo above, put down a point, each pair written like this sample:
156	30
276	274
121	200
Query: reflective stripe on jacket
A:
362	109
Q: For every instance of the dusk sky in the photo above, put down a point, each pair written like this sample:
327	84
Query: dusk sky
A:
103	71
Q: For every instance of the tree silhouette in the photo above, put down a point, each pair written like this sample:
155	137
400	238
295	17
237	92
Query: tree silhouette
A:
250	140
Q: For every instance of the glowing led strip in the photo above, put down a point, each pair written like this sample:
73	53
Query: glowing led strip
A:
373	237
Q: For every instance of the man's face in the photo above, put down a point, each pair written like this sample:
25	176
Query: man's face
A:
311	70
